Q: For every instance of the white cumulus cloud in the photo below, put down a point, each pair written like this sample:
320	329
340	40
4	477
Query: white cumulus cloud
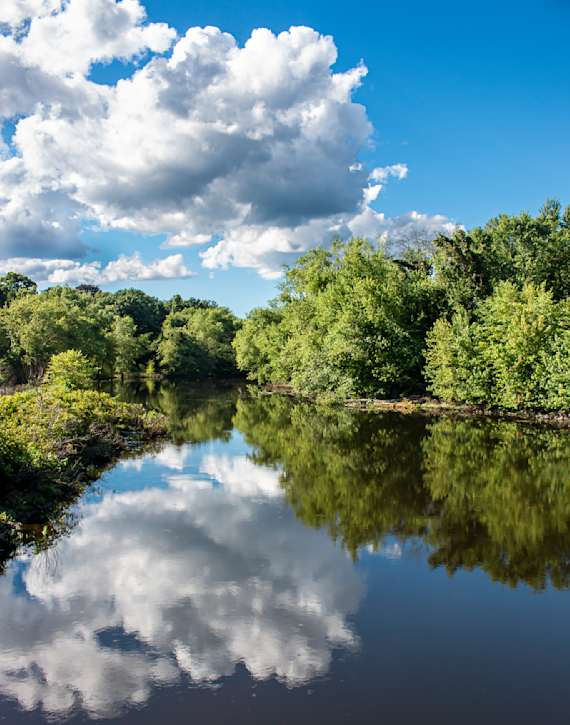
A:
256	147
65	271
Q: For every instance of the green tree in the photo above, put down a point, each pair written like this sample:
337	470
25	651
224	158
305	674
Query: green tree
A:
12	283
60	319
521	249
128	347
515	354
146	312
259	342
198	342
70	369
349	319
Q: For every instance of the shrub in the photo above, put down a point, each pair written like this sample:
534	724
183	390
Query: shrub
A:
515	354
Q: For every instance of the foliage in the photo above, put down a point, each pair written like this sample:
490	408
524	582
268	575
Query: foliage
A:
70	369
515	354
197	342
129	347
147	313
481	316
348	319
520	248
478	316
60	319
12	284
119	332
46	427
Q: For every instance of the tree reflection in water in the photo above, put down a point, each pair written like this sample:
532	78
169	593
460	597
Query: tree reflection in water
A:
478	493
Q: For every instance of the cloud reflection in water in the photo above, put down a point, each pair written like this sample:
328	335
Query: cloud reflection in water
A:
157	583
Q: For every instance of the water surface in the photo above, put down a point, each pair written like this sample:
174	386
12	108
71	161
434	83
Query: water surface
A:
276	563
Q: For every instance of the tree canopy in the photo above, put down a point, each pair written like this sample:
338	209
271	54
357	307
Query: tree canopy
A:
476	316
123	333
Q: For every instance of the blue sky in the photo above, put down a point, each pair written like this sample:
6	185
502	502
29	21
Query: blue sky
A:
473	99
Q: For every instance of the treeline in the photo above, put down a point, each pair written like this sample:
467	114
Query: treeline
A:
477	317
122	333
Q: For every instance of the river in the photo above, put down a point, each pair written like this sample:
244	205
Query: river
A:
274	562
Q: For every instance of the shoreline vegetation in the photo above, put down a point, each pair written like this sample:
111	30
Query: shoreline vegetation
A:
478	318
57	437
418	405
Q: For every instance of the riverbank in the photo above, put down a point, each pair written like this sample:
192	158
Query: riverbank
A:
55	440
424	405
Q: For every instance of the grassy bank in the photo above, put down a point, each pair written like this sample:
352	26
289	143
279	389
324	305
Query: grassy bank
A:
57	437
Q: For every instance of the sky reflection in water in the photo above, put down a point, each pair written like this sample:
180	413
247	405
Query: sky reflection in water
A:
205	575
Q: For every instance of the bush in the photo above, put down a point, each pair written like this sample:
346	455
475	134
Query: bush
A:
70	369
43	428
515	354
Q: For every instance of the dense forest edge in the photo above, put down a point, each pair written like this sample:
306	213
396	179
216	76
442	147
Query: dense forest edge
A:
480	317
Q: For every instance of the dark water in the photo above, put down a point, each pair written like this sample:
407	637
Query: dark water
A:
276	563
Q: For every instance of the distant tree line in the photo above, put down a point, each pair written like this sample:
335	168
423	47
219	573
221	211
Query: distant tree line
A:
123	333
478	317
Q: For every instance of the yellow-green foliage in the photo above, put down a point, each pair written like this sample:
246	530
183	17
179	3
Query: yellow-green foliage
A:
43	426
514	354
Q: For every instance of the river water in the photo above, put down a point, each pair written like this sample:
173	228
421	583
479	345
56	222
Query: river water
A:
277	563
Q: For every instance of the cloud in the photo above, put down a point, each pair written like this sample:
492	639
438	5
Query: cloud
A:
201	576
265	248
400	171
63	271
255	146
65	38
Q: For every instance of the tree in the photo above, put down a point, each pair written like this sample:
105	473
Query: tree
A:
349	319
12	283
521	249
146	312
515	353
60	319
128	347
70	369
197	341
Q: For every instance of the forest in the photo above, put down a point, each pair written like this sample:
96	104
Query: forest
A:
480	316
477	317
126	333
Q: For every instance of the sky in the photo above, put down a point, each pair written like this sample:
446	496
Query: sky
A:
193	148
